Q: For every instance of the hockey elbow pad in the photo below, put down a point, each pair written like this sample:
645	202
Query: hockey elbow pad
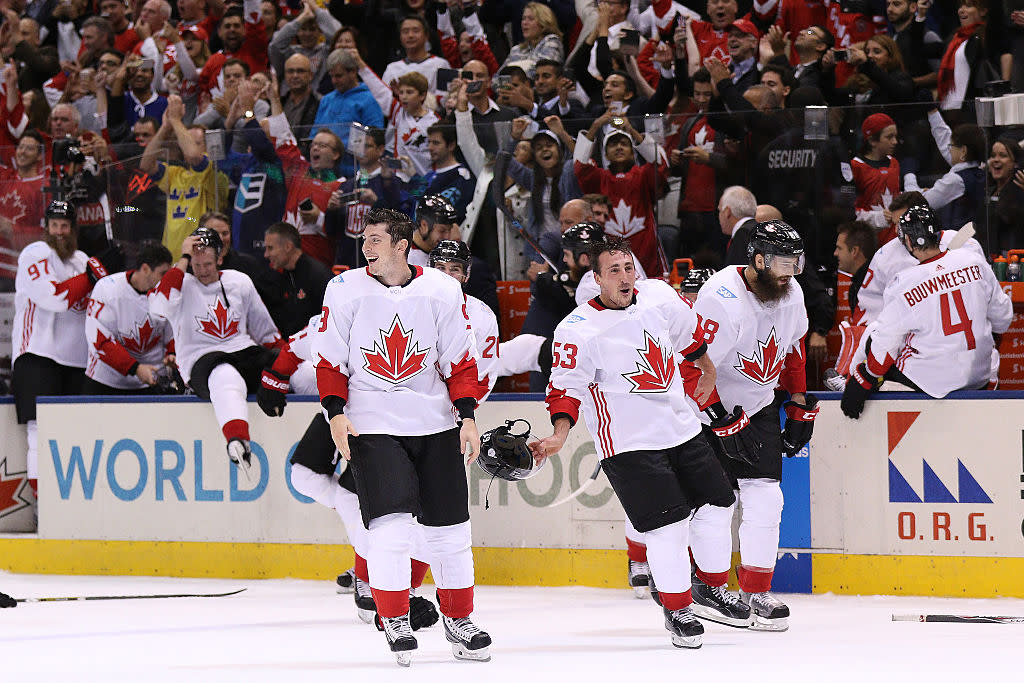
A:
799	424
734	434
858	388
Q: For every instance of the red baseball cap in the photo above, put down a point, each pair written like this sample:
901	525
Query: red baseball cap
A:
746	26
196	30
875	124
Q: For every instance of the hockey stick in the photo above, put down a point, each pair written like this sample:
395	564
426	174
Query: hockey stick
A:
501	162
962	235
957	619
590	480
131	597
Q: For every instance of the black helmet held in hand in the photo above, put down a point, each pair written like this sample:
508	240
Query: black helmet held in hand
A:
505	454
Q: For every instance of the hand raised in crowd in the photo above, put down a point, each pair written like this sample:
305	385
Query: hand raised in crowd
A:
565	86
828	60
679	38
460	93
519	127
1018	179
663	54
308	11
11	75
554	124
175	109
718	70
855	56
248	93
777	40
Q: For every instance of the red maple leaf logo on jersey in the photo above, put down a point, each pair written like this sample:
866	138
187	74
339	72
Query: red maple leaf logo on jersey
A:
13	489
395	358
219	325
764	365
142	340
654	371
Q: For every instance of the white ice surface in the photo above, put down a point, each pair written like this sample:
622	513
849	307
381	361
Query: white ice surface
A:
290	630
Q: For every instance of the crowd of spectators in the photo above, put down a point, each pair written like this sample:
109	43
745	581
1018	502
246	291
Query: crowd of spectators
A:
672	122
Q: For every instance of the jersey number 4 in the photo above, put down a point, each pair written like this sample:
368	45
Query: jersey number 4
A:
964	326
569	361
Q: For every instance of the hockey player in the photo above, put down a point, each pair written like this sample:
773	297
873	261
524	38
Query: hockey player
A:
223	334
394	355
695	279
127	345
48	336
934	333
616	357
435	218
753	320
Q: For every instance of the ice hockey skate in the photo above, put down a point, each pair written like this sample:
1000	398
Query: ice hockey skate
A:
468	641
770	613
639	578
241	454
365	607
346	582
718	604
686	629
400	638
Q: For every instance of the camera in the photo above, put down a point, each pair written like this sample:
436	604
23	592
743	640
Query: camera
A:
306	204
629	42
67	151
841	55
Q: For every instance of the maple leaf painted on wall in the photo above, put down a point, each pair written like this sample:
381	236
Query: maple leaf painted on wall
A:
395	358
764	365
142	339
655	369
220	324
623	223
13	490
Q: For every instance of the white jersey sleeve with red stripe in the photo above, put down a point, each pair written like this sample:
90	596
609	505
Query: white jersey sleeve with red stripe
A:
49	306
755	346
620	366
121	332
398	356
937	322
226	315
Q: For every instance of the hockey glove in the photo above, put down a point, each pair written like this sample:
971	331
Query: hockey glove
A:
799	424
860	385
734	435
272	394
422	614
110	260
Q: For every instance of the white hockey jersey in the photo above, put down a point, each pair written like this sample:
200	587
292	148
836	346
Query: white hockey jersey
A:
937	322
891	258
227	315
755	346
488	345
49	306
120	331
399	356
621	366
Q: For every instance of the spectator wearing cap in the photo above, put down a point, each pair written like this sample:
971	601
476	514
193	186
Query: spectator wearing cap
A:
305	35
542	39
116	12
876	172
182	63
244	37
742	44
199	13
351	100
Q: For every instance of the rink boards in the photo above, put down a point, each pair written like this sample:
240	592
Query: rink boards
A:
918	497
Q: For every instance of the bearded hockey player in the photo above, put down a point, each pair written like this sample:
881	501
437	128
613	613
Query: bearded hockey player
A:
223	334
395	365
52	289
754	321
935	330
616	357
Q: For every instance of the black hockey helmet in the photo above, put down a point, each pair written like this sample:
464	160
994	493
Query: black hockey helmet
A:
774	239
695	279
920	225
435	208
61	209
579	238
208	238
448	251
505	454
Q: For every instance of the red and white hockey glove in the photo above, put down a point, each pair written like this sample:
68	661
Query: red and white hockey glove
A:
860	385
735	437
799	424
110	260
272	394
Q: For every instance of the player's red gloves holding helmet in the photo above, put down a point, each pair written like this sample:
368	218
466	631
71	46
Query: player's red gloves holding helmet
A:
799	424
734	434
860	385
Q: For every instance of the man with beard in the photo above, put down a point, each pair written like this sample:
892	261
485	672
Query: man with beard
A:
918	45
51	292
753	320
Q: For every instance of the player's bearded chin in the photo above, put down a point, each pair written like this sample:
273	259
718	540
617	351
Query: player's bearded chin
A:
768	286
64	245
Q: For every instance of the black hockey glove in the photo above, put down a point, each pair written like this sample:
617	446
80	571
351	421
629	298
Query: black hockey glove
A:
272	394
7	601
799	424
734	435
422	614
110	260
860	385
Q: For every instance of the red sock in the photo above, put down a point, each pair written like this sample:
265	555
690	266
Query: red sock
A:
391	603
636	551
754	579
235	429
360	570
714	580
455	603
674	601
419	570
